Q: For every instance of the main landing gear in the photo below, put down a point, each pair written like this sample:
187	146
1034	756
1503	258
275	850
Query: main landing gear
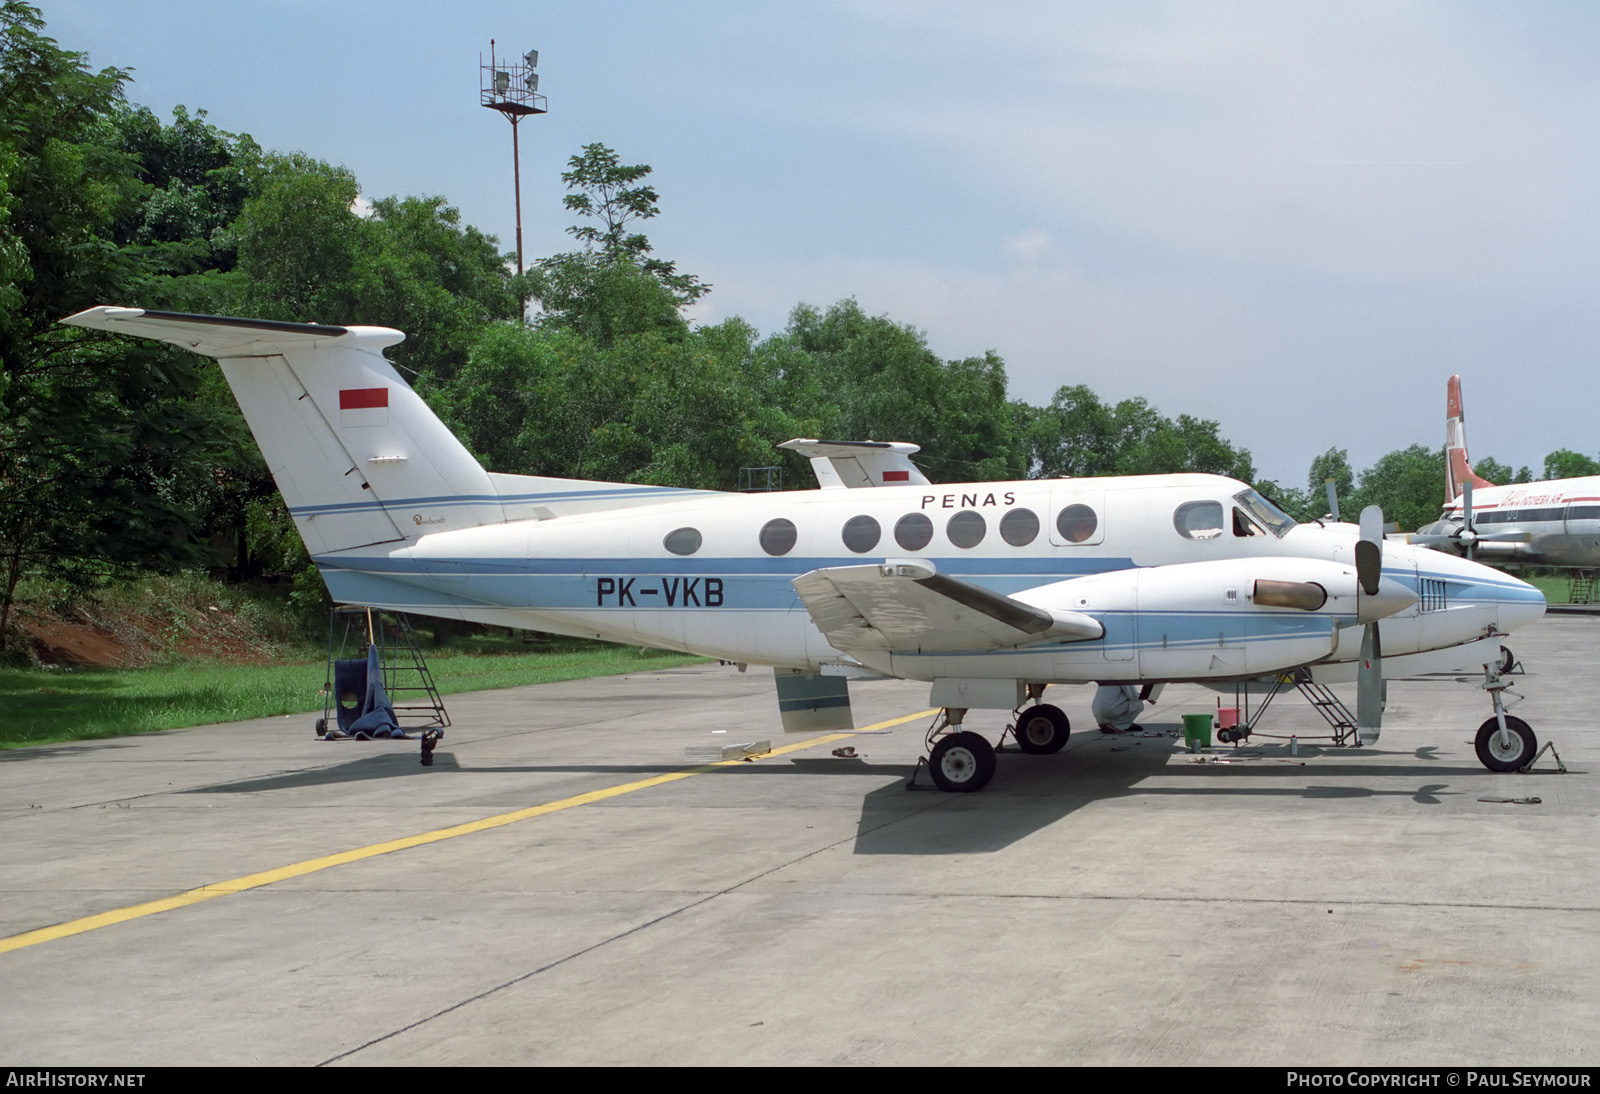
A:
1041	729
961	761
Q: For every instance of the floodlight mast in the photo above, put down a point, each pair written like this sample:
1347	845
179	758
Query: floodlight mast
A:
512	89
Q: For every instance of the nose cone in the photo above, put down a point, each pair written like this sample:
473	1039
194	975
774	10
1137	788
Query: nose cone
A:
1515	603
1521	603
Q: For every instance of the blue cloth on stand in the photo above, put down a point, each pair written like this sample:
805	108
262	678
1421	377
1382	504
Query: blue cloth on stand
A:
377	717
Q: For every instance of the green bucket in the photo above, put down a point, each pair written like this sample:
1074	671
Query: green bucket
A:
1197	730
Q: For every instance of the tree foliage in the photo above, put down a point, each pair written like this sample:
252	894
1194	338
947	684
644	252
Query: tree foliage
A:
1564	463
104	444
1077	434
613	287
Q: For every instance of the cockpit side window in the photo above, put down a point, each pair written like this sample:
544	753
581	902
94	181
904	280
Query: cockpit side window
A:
1264	513
1198	519
1243	525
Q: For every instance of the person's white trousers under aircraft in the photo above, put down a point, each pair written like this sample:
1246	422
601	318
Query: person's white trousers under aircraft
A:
989	591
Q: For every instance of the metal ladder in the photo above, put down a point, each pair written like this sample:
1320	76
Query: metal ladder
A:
417	703
1580	590
1324	701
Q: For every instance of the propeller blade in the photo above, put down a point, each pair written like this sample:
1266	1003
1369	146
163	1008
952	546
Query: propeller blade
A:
1471	535
1333	499
1369	686
1369	550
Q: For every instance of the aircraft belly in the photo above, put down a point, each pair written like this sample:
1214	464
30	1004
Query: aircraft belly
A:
1569	549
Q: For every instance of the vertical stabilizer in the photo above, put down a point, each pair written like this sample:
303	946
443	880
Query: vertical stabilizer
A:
1457	467
358	456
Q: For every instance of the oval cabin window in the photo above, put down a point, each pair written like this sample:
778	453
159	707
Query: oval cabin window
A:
778	536
682	541
1077	523
1019	527
861	534
966	528
913	532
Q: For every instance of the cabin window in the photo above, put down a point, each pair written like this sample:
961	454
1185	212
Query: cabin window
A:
966	528
1019	527
861	534
1198	519
682	541
778	536
1077	523
913	532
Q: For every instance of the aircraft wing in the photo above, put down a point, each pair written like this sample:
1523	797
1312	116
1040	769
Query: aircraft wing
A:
905	606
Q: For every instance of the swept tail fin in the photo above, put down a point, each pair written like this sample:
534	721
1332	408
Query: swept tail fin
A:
1457	467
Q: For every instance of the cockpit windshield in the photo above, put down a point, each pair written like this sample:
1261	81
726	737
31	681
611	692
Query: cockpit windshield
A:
1272	518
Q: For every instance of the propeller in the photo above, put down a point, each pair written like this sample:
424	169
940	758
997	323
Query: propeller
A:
1333	498
1469	538
1369	673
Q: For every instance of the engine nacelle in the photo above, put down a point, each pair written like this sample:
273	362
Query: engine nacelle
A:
1232	617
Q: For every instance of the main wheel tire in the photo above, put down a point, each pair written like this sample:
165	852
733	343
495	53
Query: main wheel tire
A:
961	763
1042	729
1496	755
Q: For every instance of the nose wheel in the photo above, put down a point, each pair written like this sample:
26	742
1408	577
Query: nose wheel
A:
1504	742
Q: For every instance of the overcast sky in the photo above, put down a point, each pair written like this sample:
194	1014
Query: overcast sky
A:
1295	218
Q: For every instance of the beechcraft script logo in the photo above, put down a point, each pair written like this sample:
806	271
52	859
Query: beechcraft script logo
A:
362	406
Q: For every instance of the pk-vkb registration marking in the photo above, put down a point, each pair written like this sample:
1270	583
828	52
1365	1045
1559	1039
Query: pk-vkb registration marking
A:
674	592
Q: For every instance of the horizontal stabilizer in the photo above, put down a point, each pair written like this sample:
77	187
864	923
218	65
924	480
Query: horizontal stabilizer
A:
905	606
225	336
841	464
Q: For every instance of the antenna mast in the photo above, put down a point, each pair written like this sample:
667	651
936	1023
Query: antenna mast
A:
512	88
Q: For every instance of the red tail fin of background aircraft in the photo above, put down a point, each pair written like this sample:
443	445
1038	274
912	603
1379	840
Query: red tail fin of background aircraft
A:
1457	467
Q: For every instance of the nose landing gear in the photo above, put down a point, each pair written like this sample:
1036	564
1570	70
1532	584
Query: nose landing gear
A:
1504	743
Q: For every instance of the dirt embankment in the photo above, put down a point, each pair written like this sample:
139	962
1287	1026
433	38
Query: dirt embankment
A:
118	635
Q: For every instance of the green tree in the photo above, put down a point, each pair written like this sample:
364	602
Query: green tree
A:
1405	483
868	378
1564	463
1076	434
613	287
648	409
101	440
1492	470
298	242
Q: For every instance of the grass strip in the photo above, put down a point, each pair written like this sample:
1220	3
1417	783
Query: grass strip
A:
45	706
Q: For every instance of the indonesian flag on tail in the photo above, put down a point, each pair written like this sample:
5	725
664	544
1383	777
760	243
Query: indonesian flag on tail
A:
363	406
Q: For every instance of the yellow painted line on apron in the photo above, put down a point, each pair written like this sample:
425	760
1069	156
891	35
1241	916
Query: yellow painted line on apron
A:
312	866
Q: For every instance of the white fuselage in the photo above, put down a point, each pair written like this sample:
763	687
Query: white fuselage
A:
1560	519
695	575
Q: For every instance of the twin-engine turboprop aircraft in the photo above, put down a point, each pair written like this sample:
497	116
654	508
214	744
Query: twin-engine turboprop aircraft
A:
1550	523
988	591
